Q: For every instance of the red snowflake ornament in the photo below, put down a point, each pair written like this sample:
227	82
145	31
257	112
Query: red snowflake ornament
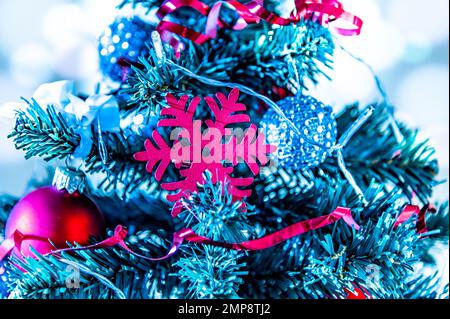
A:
216	149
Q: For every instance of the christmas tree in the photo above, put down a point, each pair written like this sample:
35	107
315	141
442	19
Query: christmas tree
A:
200	167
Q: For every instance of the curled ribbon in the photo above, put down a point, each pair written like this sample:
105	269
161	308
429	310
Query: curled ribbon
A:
101	111
410	211
322	11
120	233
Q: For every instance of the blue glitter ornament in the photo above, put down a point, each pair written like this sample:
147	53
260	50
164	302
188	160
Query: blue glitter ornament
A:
314	119
121	45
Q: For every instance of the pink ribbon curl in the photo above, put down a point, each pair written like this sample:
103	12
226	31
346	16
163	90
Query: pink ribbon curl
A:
268	241
410	211
187	234
326	12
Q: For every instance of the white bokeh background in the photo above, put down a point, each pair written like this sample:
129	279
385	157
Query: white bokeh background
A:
405	42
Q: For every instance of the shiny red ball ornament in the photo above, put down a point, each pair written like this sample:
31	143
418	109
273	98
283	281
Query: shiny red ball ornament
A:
357	294
56	215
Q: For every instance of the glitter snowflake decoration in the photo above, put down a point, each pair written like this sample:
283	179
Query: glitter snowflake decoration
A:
217	149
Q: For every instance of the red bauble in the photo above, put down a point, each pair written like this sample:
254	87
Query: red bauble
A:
358	294
50	214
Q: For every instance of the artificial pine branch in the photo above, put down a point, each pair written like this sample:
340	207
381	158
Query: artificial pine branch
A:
43	133
375	154
213	213
46	134
149	4
7	203
439	221
121	173
409	166
424	287
322	263
152	4
213	272
47	277
285	57
298	269
141	211
150	84
437	235
372	156
318	264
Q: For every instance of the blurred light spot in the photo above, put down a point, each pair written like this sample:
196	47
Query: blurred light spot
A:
138	119
424	93
64	25
351	82
31	65
415	54
100	13
422	100
420	22
78	62
380	43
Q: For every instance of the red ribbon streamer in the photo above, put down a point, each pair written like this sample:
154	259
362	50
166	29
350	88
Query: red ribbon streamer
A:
15	241
120	233
323	11
410	211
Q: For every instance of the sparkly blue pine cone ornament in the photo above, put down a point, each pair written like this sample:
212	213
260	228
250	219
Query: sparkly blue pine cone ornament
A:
121	45
314	119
